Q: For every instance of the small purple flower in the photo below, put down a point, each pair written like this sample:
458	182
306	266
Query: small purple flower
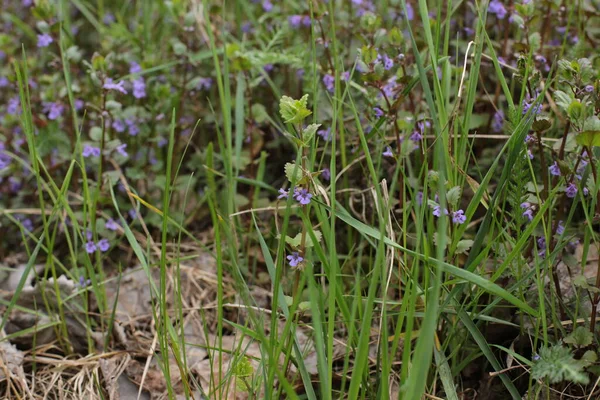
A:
283	194
83	282
139	88
4	82
420	198
326	174
589	88
416	136
378	112
90	151
388	152
496	7
108	19
388	63
498	121
529	214
111	225
79	104
554	169
560	228
55	110
325	134
536	109
306	21
134	68
437	211
345	76
132	128
121	149
410	12
90	247
204	83
300	73
585	191
295	259
459	217
295	20
530	154
571	190
110	85
14	106
27	225
103	245
329	82
267	5
44	40
118	126
302	196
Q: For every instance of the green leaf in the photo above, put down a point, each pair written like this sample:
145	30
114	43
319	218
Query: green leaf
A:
453	195
293	111
562	99
294	173
296	241
580	337
463	246
309	132
557	364
541	124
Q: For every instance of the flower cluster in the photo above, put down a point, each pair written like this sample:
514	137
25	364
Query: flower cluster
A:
301	195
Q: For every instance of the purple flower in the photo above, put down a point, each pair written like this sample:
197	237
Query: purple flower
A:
325	134
554	169
420	198
83	282
329	82
108	19
267	5
111	225
295	20
589	88
90	247
54	110
103	245
204	83
416	136
536	109
326	174
571	190
134	68
560	229
44	40
437	211
121	149
133	129
345	76
118	125
388	63
306	21
295	259
459	217
530	154
410	12
79	104
139	88
14	106
302	196
90	151
4	82
388	152
110	85
496	7
498	121
283	194
378	112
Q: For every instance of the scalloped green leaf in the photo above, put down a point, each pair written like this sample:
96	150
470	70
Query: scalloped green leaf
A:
293	111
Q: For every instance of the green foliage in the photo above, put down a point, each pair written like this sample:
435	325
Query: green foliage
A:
580	337
557	364
294	111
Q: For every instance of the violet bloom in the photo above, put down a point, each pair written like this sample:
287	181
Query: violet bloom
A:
121	149
204	83
132	128
4	82
55	110
560	229
44	40
387	62
79	104
118	126
388	152
536	109
554	169
306	21
295	20
134	68
267	5
437	211
295	259
498	121
90	151
325	134
416	136
326	174
410	12
103	245
14	106
496	7
283	194
378	112
108	19
111	225
345	76
90	247
420	198
571	190
459	217
139	88
542	246
83	282
110	85
329	82
589	88
302	196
